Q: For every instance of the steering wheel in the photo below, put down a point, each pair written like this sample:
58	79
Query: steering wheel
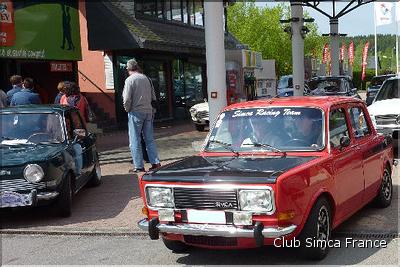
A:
39	134
299	141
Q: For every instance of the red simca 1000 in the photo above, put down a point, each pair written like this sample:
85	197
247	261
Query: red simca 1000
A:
271	171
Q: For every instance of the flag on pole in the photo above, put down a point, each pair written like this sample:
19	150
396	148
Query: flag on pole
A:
383	13
325	53
364	60
342	49
351	53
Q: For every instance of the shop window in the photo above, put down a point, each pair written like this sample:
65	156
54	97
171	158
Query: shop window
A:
198	13
176	10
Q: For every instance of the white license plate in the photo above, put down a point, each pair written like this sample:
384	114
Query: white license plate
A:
206	216
12	199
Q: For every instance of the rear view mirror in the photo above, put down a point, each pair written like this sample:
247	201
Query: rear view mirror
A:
344	141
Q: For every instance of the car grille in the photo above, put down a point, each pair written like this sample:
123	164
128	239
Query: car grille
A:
19	185
202	114
211	241
386	119
200	198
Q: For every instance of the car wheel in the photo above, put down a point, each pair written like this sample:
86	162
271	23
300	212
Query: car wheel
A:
95	179
199	128
175	246
63	206
317	230
385	194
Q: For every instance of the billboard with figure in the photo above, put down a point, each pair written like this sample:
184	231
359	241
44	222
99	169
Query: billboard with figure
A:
40	30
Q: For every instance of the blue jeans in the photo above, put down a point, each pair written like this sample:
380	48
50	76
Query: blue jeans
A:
139	122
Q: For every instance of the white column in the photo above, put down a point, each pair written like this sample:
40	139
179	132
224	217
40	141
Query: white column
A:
297	49
215	56
335	50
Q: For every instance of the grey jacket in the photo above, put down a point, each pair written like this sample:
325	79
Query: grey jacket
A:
138	93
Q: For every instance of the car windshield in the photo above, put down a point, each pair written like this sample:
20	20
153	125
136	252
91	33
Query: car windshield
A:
389	90
268	129
329	86
30	128
285	82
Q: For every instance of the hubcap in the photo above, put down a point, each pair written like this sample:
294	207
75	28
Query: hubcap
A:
323	224
386	186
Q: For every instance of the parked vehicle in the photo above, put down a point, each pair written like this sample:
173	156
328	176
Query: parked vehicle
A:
385	110
271	170
200	115
47	156
333	85
375	85
285	87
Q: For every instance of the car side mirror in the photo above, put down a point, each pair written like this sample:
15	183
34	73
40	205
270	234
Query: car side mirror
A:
344	141
80	133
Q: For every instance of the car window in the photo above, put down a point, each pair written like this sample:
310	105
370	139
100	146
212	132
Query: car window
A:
337	126
358	122
389	90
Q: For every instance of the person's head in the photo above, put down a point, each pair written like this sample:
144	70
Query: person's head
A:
28	83
16	80
60	87
132	66
70	88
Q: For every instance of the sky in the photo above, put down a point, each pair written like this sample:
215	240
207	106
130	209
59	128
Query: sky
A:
358	22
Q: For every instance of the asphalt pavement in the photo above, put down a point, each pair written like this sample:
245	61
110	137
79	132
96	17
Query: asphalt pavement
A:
82	250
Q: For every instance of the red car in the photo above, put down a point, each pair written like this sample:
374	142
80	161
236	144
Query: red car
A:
272	172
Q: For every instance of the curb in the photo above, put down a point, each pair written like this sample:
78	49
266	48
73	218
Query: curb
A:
73	232
143	234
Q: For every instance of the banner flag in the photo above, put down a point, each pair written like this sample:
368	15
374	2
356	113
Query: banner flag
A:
383	13
364	60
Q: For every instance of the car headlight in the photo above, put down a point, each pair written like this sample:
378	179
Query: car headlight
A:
160	197
33	173
256	200
192	111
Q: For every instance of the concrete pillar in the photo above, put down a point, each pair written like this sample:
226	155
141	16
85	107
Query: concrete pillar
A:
297	48
215	56
335	50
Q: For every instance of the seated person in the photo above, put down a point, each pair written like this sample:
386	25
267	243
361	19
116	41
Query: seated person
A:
308	130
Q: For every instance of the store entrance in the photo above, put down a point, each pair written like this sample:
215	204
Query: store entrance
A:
45	81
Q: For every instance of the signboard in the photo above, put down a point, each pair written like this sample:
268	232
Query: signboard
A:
57	66
109	71
7	27
251	59
40	30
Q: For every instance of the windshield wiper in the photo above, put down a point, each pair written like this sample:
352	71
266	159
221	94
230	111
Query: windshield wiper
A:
267	146
226	145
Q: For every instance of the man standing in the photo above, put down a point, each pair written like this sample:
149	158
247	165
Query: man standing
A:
26	96
16	83
137	96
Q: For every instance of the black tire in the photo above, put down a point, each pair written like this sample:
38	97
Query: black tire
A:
317	227
63	205
385	194
95	177
199	128
175	246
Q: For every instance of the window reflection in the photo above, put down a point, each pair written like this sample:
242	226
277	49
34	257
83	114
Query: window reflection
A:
185	12
198	12
160	9
176	10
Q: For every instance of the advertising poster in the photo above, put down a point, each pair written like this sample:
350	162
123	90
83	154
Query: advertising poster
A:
40	30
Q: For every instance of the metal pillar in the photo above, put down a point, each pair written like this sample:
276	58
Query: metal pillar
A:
297	48
215	56
335	50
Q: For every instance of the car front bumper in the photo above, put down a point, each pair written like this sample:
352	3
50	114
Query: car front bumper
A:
217	230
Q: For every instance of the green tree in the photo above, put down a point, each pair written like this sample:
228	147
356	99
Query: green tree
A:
260	28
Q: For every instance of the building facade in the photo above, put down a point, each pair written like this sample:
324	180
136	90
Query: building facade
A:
165	37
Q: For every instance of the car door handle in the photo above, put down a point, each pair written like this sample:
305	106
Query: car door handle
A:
355	147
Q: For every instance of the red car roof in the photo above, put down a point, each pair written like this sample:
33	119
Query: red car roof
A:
323	102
